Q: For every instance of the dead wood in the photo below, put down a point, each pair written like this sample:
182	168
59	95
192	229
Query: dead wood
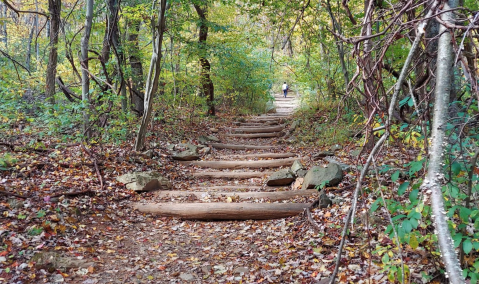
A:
264	155
95	163
231	175
274	196
223	211
7	193
242	164
258	129
240	147
74	194
232	187
256	135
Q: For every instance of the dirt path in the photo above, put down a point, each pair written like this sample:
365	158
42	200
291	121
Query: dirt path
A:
152	249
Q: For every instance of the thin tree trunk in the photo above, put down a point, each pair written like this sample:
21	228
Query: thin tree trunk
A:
432	184
339	45
29	47
84	57
54	8
136	83
207	84
153	74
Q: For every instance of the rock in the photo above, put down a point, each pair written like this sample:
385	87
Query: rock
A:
324	201
281	177
355	153
57	278
330	175
241	270
205	151
213	138
144	181
186	276
301	173
295	124
336	147
53	260
214	130
209	138
150	153
187	155
323	154
343	166
296	167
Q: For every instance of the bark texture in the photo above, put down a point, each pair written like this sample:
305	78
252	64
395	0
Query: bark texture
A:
54	8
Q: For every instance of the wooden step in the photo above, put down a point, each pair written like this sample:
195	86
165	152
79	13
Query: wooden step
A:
255	135
242	164
273	196
256	129
223	211
241	147
231	175
262	156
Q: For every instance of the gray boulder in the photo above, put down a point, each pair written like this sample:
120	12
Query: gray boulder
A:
330	175
296	167
144	181
209	138
281	177
336	147
187	155
301	173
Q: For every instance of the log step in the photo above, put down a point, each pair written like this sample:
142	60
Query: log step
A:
223	211
225	187
242	164
231	175
273	196
261	156
257	129
255	135
241	147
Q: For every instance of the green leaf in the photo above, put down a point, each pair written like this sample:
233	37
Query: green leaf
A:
476	247
402	188
406	224
456	168
41	214
464	214
413	242
413	195
385	258
415	167
395	176
467	246
457	238
376	204
414	223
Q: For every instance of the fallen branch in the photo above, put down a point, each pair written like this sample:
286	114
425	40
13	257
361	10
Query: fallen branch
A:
73	194
264	155
100	178
313	223
2	192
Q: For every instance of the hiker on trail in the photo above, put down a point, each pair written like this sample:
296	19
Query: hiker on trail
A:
285	89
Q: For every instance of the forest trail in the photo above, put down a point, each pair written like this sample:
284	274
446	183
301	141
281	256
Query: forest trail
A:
234	178
156	249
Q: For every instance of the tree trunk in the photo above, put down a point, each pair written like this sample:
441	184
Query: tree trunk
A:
339	45
84	57
136	83
153	75
29	47
54	8
224	211
432	184
206	83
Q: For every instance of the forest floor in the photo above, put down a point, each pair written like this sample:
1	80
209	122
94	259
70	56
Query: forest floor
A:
65	219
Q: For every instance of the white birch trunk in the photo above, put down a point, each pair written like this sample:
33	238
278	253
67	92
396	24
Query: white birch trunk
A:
432	184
